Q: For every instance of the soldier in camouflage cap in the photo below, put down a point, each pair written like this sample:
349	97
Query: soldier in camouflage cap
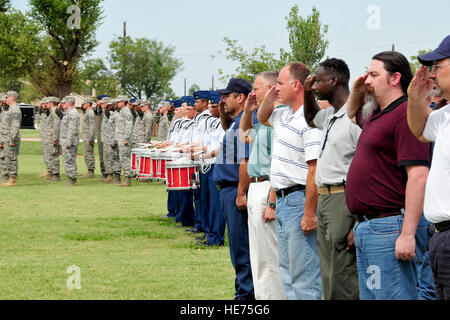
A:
51	137
3	176
69	139
10	137
88	131
123	136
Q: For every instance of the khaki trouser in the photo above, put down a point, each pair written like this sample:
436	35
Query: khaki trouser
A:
337	265
263	246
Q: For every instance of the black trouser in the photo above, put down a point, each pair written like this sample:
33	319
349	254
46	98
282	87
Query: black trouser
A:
440	263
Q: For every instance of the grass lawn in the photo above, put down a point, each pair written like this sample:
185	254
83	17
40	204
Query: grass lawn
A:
114	235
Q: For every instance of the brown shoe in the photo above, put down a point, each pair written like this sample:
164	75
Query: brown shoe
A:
12	182
109	178
116	179
47	175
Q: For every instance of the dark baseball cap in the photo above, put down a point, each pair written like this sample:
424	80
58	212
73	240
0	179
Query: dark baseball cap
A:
238	86
442	52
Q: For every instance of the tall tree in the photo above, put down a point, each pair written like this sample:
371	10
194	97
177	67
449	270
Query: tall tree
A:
48	43
143	67
249	64
306	38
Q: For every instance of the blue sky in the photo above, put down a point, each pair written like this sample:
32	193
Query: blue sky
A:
196	28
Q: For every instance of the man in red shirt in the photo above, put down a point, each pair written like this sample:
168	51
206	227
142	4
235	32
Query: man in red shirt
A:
386	179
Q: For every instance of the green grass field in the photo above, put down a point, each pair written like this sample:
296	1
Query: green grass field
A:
114	235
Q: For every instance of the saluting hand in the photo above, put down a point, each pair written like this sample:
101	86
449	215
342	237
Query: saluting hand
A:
309	82
271	95
421	87
250	104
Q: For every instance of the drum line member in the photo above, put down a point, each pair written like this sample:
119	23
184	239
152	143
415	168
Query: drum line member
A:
198	131
88	131
68	139
212	140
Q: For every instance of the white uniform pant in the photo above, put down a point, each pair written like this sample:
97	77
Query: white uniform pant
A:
263	246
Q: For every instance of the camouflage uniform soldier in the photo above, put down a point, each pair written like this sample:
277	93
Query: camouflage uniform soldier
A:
111	148
10	137
142	131
51	137
68	139
43	117
88	130
100	113
3	176
164	123
123	135
107	109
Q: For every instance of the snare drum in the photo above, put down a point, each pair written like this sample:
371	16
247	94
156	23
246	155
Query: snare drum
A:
182	174
134	159
144	165
160	162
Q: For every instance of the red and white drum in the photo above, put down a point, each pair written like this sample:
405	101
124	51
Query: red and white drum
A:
159	163
135	159
182	174
144	165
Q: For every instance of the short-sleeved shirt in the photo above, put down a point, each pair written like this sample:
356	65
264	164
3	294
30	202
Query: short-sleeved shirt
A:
260	157
231	154
376	181
339	141
295	143
437	200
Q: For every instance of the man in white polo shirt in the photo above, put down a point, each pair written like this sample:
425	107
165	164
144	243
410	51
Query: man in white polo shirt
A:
295	151
435	126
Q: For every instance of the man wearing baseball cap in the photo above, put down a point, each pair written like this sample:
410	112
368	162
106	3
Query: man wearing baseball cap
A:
230	175
434	126
68	139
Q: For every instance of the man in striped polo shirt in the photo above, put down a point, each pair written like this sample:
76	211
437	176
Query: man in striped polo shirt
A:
295	151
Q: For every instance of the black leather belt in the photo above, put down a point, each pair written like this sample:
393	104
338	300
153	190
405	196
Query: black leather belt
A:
442	226
258	179
226	184
284	192
361	218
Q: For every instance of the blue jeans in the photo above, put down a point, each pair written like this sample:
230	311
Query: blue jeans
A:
381	275
298	253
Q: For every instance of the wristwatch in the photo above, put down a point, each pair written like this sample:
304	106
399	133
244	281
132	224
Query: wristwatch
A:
273	205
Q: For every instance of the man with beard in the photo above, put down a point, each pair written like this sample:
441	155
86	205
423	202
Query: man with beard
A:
88	130
434	126
386	182
340	137
295	150
230	175
262	198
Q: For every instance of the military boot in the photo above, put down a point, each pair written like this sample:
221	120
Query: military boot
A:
126	183
12	182
116	179
71	182
55	178
89	174
109	178
47	175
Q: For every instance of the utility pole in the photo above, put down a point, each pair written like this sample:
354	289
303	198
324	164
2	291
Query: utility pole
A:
212	88
185	86
393	47
124	29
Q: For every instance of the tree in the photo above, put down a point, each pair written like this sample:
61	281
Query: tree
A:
415	63
143	67
193	88
94	75
306	41
306	38
4	5
45	45
249	64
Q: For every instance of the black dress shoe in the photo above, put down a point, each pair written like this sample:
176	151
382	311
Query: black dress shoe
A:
201	238
194	230
205	243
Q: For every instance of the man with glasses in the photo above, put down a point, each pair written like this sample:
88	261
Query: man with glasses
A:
434	126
